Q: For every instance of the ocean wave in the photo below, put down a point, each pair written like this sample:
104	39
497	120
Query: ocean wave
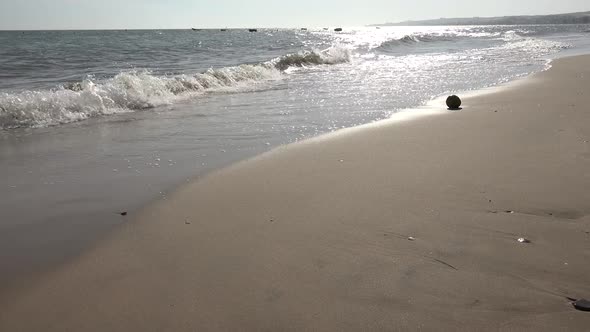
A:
540	46
137	90
411	40
512	35
125	92
330	56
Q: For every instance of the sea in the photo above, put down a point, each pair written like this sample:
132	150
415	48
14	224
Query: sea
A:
94	124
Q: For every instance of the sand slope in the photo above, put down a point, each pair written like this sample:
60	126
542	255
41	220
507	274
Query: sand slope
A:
314	236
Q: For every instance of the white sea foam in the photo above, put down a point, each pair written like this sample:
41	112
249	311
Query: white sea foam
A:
123	93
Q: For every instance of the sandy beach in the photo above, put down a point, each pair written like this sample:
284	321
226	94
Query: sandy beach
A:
404	225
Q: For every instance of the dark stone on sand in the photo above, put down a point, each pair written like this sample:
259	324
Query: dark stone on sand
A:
123	213
454	102
582	305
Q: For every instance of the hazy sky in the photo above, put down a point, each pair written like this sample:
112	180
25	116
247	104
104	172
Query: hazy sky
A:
160	14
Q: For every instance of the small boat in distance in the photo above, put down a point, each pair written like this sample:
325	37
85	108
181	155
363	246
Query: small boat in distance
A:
326	29
303	29
223	30
338	29
196	29
253	30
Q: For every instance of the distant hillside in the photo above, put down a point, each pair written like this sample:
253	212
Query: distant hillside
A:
571	18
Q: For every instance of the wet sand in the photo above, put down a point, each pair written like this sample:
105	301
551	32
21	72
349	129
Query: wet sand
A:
62	188
404	225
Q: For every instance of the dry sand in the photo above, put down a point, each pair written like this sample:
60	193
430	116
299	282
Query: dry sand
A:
315	236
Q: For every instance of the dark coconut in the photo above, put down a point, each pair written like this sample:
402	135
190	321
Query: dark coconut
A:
454	102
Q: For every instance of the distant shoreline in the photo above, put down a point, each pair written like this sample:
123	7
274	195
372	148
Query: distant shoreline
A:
568	18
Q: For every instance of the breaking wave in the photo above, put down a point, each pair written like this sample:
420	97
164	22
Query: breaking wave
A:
137	90
517	43
330	56
512	40
411	40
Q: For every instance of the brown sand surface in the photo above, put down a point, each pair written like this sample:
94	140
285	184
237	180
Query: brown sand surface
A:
315	236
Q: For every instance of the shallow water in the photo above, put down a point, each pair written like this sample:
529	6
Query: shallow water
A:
56	77
99	122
